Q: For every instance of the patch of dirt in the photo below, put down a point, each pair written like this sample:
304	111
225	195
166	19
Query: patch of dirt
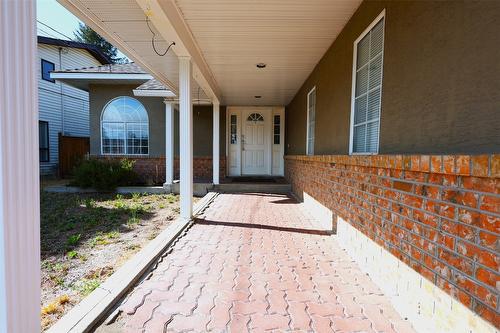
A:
86	237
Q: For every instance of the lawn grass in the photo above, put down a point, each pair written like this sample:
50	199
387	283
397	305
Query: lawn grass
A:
86	237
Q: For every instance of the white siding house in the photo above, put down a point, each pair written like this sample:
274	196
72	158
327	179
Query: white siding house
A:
62	108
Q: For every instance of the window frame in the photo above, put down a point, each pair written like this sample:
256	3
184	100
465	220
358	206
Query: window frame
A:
307	121
48	142
278	127
353	88
41	70
125	146
231	124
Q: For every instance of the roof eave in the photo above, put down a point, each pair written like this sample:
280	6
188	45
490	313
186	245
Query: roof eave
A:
92	49
153	93
99	76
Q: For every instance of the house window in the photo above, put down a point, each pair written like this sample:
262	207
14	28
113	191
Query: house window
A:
311	119
277	129
367	88
47	67
255	117
43	141
125	127
233	130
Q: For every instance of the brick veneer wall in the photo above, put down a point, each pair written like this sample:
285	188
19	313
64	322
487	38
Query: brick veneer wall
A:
438	214
151	170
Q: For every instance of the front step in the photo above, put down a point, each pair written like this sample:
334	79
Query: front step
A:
253	188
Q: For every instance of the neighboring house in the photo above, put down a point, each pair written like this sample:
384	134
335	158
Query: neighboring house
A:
62	109
390	140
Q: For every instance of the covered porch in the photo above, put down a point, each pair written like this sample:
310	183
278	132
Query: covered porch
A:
216	59
396	215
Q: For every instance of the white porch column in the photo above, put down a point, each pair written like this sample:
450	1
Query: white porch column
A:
186	137
19	173
169	143
215	154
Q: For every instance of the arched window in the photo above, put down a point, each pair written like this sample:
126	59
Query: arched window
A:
255	117
124	127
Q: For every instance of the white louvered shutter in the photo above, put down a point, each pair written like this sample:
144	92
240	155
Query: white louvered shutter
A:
368	90
311	121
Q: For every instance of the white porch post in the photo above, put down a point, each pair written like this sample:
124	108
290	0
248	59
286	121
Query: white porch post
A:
215	154
169	143
19	173
186	137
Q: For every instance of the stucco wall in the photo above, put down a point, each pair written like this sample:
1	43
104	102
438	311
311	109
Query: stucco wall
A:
202	121
440	81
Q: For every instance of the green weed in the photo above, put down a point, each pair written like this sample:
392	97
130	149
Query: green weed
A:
73	239
86	286
72	254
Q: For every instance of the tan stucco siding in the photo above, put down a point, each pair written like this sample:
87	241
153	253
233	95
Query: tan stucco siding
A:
440	89
100	95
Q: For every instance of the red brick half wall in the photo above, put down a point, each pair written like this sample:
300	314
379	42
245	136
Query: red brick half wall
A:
151	170
438	214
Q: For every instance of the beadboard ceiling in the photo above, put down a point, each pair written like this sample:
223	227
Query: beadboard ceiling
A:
289	36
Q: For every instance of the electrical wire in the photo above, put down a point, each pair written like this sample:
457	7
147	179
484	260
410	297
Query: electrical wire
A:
161	54
48	26
46	33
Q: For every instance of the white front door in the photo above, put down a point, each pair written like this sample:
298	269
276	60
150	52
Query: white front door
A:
255	143
255	140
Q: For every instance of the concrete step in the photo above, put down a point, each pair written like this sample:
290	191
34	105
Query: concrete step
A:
253	188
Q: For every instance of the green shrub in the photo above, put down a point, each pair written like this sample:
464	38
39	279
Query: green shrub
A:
105	175
73	239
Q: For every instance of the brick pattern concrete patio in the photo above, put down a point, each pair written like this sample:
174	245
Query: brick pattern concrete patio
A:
255	263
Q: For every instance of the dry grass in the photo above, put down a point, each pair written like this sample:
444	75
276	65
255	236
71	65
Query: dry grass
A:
86	237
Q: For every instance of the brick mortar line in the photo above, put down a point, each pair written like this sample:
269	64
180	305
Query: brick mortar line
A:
417	208
409	181
416	182
454	269
475	228
431	255
411	259
427	226
371	163
428	253
474	298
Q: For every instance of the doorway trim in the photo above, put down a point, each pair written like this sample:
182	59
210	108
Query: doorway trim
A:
274	154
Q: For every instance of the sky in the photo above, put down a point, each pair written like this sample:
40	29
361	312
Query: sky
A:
51	13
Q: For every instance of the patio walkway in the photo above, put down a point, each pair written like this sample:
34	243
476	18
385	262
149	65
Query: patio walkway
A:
254	263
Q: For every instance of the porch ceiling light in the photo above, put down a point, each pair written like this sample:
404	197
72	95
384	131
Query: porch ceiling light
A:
261	65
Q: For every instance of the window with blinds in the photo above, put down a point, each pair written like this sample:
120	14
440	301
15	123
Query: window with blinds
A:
311	119
367	89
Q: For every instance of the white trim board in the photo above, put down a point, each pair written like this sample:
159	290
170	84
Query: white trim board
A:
100	76
428	308
153	93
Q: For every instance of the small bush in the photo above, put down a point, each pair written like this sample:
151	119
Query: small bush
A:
105	175
73	240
